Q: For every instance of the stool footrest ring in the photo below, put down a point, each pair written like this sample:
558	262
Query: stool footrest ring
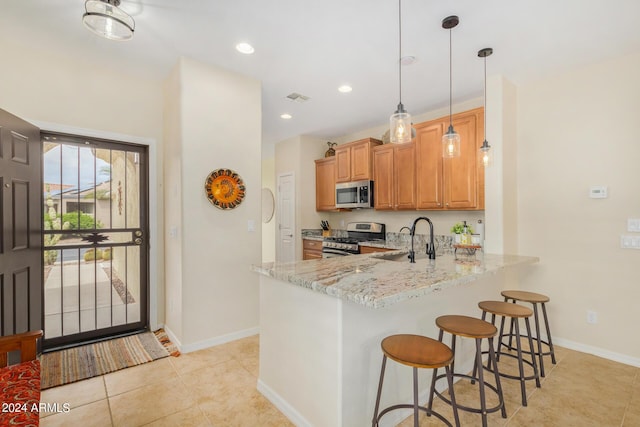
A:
409	406
468	408
513	377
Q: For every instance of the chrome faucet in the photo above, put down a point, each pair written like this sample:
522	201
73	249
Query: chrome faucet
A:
431	248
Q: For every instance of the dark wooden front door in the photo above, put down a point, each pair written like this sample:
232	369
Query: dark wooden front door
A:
21	223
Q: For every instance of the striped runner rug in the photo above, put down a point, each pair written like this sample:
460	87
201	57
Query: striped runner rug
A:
79	363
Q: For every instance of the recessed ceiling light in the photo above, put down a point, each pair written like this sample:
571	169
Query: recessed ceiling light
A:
345	89
245	48
285	116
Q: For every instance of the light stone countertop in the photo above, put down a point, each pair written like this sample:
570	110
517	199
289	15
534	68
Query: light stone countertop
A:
376	282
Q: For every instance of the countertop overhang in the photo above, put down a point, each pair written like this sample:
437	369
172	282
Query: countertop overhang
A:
375	281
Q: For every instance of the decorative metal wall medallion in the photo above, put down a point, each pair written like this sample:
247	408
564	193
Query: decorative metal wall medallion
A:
224	188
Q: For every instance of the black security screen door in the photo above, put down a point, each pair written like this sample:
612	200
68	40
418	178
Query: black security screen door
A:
95	248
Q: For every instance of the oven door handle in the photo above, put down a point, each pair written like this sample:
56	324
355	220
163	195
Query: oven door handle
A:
335	251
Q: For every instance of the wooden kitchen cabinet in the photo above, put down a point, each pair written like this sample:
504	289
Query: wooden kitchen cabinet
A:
457	183
311	249
394	176
326	184
354	160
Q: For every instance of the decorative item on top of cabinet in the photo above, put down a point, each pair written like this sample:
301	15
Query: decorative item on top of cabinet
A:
311	249
326	184
451	183
353	160
330	151
394	174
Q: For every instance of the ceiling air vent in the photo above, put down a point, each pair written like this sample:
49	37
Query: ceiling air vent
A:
297	97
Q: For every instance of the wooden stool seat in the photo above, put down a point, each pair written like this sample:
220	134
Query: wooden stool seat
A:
525	296
465	326
417	351
500	308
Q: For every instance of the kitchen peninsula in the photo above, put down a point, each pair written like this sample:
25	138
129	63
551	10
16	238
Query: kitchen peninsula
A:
322	321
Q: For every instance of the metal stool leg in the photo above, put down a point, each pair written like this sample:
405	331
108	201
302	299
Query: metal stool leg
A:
520	365
538	339
492	357
416	412
483	399
546	323
533	353
374	423
452	396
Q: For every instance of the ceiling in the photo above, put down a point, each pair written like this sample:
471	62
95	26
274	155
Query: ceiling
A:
313	46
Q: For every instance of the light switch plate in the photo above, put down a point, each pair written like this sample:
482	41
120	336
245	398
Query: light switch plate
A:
629	242
633	225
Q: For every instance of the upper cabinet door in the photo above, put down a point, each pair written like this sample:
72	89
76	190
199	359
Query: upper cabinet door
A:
326	184
405	176
429	188
383	178
343	164
361	161
461	173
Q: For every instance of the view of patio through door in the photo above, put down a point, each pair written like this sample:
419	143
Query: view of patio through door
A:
95	239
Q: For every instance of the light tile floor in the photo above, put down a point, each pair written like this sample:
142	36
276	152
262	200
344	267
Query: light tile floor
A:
217	387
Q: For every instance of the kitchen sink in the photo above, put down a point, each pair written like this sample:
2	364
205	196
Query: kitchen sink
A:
399	257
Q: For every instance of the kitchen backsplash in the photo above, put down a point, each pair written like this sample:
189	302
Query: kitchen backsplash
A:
397	240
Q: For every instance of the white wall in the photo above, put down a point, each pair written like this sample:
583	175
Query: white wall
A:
219	127
576	130
65	92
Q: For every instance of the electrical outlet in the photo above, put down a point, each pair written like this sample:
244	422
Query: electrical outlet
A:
592	317
629	242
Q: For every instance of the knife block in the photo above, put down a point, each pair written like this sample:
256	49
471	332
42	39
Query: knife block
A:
326	233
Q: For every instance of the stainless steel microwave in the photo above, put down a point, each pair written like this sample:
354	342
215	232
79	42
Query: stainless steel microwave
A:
357	194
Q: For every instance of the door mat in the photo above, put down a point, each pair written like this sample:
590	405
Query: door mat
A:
87	361
162	336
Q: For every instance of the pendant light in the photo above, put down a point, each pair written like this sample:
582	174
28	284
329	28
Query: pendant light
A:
450	140
106	19
486	155
400	121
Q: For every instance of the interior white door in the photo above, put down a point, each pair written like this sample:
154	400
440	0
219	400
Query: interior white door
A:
286	217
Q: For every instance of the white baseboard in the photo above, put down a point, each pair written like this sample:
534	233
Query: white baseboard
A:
283	406
200	345
596	351
172	337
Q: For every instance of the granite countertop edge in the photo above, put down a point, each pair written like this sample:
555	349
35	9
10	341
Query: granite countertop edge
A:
375	282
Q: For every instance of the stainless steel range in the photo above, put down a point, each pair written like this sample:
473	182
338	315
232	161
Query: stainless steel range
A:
356	232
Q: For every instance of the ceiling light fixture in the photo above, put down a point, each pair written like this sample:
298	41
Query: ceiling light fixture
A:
106	19
450	140
345	89
486	155
400	121
285	116
245	48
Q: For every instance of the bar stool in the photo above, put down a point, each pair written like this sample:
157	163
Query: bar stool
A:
516	312
418	352
534	299
471	327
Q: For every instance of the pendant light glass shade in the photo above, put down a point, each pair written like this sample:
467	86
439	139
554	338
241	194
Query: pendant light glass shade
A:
450	140
400	121
486	154
106	19
400	125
